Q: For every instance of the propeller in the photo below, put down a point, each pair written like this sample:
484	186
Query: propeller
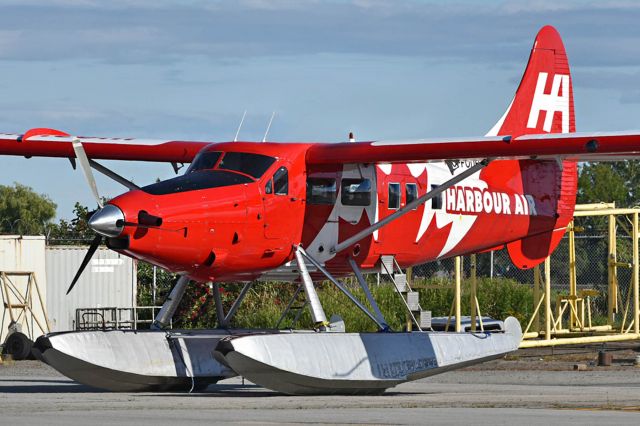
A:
108	220
92	249
83	160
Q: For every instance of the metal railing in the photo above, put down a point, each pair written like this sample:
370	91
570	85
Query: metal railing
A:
114	318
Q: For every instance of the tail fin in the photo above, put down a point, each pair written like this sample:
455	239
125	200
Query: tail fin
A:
543	102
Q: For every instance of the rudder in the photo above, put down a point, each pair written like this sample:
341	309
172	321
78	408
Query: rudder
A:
543	103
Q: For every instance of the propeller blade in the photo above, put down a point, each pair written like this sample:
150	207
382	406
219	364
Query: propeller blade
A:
82	158
92	249
90	214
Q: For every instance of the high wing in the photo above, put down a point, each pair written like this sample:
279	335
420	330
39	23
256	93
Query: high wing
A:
41	142
562	146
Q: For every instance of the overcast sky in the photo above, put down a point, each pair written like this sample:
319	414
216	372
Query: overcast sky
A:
383	69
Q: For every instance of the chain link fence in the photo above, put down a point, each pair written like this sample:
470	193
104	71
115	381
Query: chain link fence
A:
591	271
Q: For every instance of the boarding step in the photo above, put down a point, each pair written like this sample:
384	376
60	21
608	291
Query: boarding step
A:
401	282
413	300
425	320
387	265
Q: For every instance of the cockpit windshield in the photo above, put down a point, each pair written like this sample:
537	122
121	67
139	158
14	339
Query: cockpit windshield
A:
204	160
253	165
193	181
250	164
214	169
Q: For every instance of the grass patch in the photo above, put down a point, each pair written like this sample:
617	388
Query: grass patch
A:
265	302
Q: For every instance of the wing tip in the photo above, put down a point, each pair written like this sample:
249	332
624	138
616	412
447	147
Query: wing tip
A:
41	131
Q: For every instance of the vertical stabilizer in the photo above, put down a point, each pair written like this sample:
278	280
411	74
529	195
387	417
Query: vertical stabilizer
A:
543	102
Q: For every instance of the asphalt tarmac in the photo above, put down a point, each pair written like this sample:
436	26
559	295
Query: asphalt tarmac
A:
32	393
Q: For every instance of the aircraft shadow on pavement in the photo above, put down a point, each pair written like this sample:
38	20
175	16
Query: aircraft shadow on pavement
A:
226	390
256	391
221	390
44	386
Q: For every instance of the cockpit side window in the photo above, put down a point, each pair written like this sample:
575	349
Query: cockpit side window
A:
250	164
204	160
321	190
281	181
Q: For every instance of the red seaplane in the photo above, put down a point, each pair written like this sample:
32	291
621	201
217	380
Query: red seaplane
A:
303	212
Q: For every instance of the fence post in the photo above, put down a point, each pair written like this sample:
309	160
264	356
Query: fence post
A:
547	298
458	273
491	266
612	293
408	316
573	286
636	308
472	295
536	296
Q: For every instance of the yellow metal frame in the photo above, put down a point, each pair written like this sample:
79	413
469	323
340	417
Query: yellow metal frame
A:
571	323
20	305
576	305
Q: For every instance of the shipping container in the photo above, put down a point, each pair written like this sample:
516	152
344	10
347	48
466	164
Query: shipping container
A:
20	254
108	281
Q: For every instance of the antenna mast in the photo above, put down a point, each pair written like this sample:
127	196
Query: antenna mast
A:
240	126
273	114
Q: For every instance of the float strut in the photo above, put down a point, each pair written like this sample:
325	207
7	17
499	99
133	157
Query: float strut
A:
224	323
363	283
163	319
317	313
300	251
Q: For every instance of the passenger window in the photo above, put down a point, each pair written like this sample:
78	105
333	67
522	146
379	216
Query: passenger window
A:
356	192
436	202
411	192
281	181
268	189
321	191
394	196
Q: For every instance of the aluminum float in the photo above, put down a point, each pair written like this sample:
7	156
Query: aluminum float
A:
126	361
309	363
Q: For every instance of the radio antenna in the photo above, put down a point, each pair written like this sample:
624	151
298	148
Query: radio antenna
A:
240	126
273	114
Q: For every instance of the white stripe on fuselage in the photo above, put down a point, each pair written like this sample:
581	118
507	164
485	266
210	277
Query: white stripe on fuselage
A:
327	238
438	173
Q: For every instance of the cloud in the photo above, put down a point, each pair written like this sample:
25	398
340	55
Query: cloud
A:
162	31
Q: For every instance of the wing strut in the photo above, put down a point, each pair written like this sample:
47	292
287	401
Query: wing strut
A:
113	175
412	205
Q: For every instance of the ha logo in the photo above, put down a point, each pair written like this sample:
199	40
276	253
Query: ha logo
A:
551	103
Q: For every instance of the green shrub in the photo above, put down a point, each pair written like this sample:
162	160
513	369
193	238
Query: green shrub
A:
265	302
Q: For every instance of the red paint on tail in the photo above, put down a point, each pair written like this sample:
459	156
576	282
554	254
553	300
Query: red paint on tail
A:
543	103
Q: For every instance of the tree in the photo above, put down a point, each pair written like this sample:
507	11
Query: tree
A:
607	182
75	231
23	211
